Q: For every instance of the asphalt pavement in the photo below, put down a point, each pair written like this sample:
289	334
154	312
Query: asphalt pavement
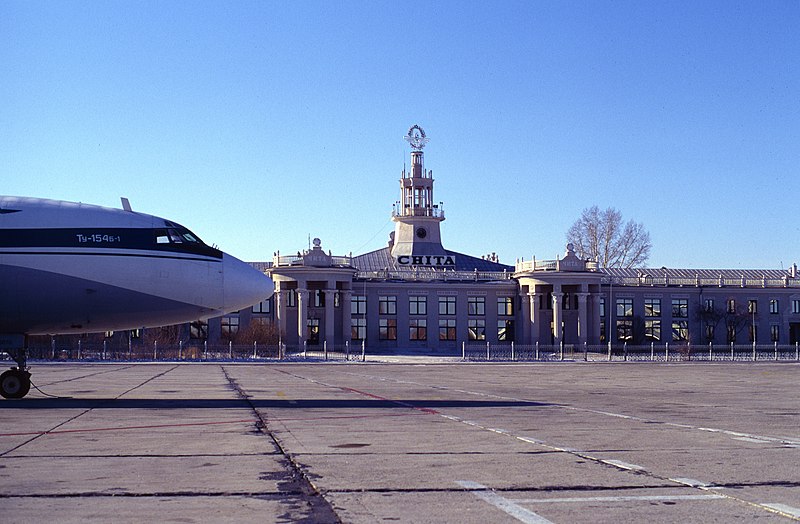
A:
407	441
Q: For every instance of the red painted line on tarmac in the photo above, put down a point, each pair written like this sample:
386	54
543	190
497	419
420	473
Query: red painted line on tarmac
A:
126	428
188	424
398	402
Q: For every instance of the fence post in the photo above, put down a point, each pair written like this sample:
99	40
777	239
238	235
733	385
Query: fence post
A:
710	352
537	350
180	350
488	357
52	348
585	351
205	350
561	350
129	346
733	355
666	351
105	342
754	350
776	350
155	350
255	349
363	351
652	351
463	350
305	349
609	351
325	348
625	351
797	350
347	350
689	351
513	357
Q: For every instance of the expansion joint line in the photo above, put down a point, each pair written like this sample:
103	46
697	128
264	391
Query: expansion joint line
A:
318	501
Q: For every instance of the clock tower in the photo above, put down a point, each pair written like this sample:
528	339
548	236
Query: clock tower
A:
417	241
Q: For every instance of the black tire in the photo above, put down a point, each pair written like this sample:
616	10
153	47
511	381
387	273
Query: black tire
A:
15	383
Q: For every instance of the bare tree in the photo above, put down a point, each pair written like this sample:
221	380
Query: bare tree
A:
604	237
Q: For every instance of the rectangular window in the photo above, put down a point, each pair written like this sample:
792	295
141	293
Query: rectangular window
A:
476	306
198	330
447	306
358	329
603	331
602	306
708	306
773	306
753	332
709	332
680	309
230	326
731	305
505	306
731	334
291	298
505	330
264	307
387	329
652	307
418	329
680	330
358	305
775	333
624	330
624	307
417	305
447	329
477	328
387	305
752	306
337	299
795	306
652	330
318	298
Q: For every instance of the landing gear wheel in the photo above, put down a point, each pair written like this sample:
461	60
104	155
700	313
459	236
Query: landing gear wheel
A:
15	383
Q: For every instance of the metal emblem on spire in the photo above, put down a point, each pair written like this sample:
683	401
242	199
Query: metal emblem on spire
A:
416	137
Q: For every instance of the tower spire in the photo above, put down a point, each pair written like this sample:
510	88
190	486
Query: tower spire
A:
417	239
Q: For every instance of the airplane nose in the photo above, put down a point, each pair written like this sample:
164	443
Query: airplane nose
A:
243	285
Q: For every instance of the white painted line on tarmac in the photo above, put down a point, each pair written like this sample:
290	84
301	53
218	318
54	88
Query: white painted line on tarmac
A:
623	465
502	503
783	508
692	483
751	439
625	498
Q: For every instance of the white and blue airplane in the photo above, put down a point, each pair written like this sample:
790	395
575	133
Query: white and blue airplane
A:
67	267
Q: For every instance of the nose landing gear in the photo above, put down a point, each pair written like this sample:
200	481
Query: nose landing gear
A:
16	382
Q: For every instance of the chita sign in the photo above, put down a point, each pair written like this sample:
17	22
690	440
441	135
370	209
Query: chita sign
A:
444	261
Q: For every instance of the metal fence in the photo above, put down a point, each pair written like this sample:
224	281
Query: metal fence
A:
664	352
470	352
193	351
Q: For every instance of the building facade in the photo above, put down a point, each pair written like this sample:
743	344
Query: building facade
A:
416	295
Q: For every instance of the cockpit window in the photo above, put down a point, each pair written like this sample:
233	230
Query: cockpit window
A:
175	237
161	236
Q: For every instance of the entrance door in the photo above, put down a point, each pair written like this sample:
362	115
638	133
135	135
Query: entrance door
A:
794	332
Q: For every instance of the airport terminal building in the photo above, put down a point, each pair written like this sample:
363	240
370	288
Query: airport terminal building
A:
415	295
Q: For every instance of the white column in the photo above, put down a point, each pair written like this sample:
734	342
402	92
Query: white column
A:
302	316
583	328
534	317
557	314
596	319
347	315
330	317
280	311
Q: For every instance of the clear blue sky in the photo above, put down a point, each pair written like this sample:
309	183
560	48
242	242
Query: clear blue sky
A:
257	124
